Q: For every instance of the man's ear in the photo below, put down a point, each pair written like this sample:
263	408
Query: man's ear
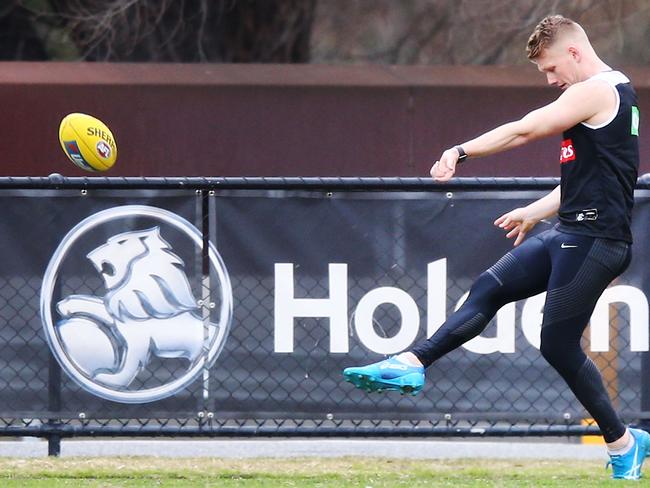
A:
574	52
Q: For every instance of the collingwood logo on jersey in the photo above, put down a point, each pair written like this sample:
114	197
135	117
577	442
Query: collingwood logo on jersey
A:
107	340
635	121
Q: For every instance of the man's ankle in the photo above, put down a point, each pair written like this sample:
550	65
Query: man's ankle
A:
409	358
621	445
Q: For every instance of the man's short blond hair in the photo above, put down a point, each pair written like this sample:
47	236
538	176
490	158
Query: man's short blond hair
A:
546	32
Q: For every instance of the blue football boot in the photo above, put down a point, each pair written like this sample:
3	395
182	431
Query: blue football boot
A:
389	374
628	466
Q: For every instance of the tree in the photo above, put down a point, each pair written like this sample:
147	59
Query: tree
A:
19	38
469	31
298	31
165	30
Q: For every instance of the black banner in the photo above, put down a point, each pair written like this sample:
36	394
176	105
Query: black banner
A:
148	318
322	281
57	298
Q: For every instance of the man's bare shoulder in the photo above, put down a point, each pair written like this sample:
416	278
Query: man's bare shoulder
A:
591	88
595	95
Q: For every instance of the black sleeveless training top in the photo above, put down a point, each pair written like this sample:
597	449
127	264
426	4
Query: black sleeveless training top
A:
599	168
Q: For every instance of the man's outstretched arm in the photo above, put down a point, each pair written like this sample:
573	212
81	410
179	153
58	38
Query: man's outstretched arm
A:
577	104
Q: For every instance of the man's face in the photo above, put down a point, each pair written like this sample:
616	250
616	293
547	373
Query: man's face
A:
559	63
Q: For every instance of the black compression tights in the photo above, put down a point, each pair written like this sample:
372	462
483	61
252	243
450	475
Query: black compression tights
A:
574	270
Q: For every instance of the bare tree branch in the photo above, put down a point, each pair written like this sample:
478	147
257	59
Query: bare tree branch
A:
358	31
470	31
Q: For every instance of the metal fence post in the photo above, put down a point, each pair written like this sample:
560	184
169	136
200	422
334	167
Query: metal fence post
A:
54	405
205	300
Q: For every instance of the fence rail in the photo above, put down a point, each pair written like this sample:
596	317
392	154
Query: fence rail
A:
57	181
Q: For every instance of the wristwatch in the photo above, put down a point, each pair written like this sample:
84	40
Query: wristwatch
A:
461	152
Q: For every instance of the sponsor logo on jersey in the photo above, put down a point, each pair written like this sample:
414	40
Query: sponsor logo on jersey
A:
567	151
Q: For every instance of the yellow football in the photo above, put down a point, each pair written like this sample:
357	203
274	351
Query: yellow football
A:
87	142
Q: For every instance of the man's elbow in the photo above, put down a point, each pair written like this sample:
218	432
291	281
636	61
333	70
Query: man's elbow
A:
525	138
533	127
533	133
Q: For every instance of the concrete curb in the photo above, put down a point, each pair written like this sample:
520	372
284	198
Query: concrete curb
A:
288	448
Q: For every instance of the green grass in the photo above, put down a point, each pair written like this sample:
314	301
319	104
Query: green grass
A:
307	472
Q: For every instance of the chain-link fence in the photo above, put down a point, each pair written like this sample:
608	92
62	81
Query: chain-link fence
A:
122	320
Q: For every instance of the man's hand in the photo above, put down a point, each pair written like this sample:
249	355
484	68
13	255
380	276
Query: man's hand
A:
518	222
445	167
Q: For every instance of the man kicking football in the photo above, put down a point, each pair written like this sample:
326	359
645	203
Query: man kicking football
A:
598	117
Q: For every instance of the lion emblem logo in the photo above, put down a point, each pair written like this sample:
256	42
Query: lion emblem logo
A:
148	312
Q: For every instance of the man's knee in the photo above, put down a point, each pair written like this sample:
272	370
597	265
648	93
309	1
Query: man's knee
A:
560	351
550	351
